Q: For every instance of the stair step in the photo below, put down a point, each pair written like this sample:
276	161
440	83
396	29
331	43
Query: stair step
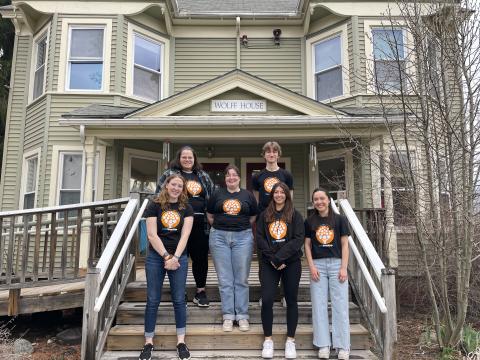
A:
133	313
230	355
212	337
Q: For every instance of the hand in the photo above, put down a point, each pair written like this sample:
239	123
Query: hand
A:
172	264
271	262
342	275
314	273
281	267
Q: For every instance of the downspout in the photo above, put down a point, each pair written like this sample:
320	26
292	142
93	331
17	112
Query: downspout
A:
238	41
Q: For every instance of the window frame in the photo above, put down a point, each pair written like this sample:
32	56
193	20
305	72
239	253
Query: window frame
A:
43	33
36	153
315	73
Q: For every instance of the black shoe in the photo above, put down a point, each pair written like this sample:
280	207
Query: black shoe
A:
183	352
146	353
201	299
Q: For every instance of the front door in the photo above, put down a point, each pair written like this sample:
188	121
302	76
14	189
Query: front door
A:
335	174
215	168
141	172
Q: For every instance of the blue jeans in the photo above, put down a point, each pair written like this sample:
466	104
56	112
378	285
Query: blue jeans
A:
319	290
232	255
155	272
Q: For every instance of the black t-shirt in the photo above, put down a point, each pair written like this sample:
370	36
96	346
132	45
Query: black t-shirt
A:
264	181
196	192
232	211
169	223
325	236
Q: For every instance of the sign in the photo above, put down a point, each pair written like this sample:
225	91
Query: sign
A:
238	106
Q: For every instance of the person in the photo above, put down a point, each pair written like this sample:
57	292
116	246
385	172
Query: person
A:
231	212
169	222
280	236
326	249
199	187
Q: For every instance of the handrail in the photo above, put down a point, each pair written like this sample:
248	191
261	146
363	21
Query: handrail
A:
376	294
362	236
112	244
106	288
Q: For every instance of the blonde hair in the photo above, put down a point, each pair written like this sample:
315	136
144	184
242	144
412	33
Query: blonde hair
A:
275	146
163	199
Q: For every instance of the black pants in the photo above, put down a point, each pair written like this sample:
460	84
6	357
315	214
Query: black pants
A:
290	279
198	250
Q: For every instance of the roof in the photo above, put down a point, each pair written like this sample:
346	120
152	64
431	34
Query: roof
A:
101	111
237	7
370	111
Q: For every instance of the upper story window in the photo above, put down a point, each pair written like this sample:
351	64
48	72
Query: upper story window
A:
31	167
147	68
328	68
85	58
39	66
389	57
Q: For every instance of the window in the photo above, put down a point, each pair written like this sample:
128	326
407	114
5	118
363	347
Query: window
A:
389	59
147	72
328	68
85	58
39	69
31	167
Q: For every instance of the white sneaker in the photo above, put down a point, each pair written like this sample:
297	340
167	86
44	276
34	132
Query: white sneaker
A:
267	351
324	353
290	351
284	302
343	354
243	325
227	325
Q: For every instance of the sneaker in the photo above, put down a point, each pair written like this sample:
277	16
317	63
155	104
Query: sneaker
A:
290	351
201	299
227	325
284	302
260	302
183	352
146	353
243	325
343	354
324	353
267	351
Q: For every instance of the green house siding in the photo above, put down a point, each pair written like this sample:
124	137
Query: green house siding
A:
35	124
14	132
281	65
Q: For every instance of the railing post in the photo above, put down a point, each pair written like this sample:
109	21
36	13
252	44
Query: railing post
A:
390	318
90	317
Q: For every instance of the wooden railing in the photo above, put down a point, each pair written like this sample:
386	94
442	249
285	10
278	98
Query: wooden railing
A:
106	281
373	221
373	285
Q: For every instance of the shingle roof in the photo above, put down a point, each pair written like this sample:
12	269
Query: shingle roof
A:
101	111
237	7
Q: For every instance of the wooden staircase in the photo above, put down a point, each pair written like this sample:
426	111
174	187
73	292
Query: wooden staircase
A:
205	337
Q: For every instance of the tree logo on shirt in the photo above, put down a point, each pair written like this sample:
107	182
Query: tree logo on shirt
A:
324	234
232	206
277	229
193	187
170	219
269	182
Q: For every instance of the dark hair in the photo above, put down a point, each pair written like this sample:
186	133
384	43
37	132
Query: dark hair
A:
288	210
331	213
231	167
175	163
272	145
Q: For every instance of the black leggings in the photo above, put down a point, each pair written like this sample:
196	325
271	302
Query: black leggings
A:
290	279
198	250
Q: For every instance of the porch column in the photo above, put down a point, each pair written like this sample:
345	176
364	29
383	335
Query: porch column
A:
312	170
89	151
390	233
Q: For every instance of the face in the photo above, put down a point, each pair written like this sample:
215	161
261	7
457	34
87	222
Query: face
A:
187	160
232	179
174	188
321	201
279	196
271	155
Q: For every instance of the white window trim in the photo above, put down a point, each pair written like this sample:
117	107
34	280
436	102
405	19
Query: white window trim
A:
127	155
245	160
26	156
368	26
310	60
55	172
164	61
63	75
44	32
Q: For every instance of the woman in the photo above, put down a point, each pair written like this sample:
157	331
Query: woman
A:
231	212
326	248
199	187
280	236
169	222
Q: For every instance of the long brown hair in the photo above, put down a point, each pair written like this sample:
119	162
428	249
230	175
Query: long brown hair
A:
288	209
163	199
331	213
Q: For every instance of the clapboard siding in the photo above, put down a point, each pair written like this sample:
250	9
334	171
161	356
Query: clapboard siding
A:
109	174
200	60
34	124
281	65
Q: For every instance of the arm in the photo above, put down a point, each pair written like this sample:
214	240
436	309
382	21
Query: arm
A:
262	241
291	194
256	195
314	273
252	219
294	244
210	218
343	273
153	236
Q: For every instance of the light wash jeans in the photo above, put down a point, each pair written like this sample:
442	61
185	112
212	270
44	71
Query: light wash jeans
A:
319	290
232	255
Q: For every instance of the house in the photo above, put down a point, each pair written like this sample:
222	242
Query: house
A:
104	92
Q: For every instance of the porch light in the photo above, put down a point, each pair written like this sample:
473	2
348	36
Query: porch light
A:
276	36
244	40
